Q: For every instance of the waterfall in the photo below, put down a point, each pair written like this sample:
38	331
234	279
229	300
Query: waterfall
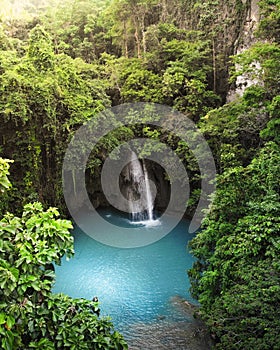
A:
149	199
138	191
135	188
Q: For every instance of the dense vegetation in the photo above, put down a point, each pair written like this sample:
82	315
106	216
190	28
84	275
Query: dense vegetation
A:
61	62
237	275
31	316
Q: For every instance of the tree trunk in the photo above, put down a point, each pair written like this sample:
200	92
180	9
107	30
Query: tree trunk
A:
214	66
164	12
125	40
136	35
144	38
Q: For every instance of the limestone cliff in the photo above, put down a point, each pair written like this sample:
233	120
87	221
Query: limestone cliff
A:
245	40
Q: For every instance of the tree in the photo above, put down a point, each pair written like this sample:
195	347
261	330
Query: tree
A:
237	274
31	316
269	27
185	80
44	98
131	20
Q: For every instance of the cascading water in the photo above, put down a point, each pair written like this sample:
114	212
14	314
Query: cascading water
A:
149	199
138	190
134	178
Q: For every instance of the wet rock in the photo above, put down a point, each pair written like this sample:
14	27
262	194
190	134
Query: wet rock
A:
167	334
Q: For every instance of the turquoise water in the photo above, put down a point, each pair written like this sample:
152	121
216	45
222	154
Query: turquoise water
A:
136	287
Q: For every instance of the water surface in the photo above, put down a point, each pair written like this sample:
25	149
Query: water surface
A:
140	288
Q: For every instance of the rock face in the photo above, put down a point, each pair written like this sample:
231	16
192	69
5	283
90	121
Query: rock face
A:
247	37
245	41
230	24
160	188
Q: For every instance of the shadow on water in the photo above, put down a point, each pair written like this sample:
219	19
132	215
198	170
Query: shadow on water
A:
143	289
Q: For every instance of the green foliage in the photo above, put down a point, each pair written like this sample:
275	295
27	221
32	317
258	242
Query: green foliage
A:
176	75
185	77
174	53
138	84
233	131
80	28
237	275
4	183
74	326
30	315
269	27
44	98
260	64
272	130
40	49
4	172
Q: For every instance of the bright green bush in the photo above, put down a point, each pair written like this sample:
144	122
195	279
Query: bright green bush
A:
31	316
237	275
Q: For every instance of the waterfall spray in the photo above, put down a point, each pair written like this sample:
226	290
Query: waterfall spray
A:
138	190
